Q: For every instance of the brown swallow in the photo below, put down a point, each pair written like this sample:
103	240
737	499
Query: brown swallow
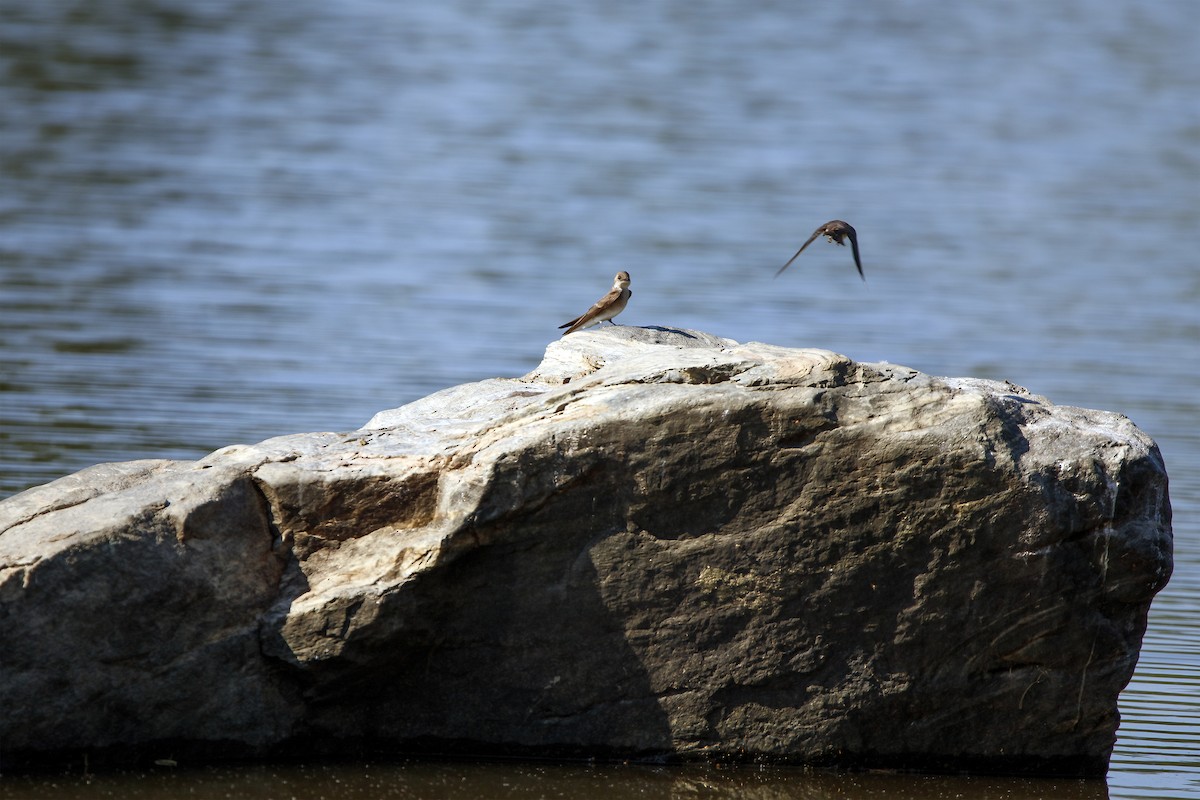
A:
837	232
605	308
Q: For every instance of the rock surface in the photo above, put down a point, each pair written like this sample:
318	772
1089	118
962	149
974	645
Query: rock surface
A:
659	544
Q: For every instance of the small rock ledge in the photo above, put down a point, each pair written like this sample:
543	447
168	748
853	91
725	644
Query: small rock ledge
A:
660	544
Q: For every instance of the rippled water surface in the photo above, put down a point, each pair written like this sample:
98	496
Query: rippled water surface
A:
222	221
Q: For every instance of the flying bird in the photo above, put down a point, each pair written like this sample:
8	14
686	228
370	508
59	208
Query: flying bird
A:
605	308
837	232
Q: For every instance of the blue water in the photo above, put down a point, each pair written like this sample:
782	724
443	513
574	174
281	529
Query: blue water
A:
221	221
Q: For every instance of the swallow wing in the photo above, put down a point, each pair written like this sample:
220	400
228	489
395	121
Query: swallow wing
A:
811	239
593	312
854	249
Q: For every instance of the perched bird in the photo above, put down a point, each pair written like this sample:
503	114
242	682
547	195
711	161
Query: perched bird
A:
605	308
837	232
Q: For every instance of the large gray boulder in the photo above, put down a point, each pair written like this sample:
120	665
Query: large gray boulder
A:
659	544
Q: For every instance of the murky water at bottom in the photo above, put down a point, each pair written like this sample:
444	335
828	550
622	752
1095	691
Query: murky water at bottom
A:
454	780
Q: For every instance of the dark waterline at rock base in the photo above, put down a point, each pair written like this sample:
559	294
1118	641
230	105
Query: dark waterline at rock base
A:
186	754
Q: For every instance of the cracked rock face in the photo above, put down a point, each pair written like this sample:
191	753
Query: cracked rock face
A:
658	544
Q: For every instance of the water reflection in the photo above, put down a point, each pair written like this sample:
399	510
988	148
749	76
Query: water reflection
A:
450	781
